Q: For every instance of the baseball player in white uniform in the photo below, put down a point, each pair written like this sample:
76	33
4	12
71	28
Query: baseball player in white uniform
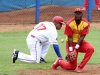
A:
39	40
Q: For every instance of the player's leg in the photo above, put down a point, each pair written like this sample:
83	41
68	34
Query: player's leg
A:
68	65
88	50
64	64
44	51
45	48
56	63
35	52
97	2
85	4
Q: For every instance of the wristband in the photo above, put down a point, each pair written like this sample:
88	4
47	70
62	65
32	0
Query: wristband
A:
70	48
77	46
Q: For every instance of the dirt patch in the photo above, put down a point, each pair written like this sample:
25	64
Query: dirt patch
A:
88	70
95	25
21	27
15	27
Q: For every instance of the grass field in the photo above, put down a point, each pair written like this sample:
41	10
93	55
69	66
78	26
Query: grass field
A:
11	40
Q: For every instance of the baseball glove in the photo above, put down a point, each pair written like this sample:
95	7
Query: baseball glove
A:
71	56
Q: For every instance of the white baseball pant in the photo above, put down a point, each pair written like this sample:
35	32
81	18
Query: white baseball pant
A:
37	50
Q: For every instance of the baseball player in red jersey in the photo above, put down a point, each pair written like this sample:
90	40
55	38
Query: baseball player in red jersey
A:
39	40
76	29
97	2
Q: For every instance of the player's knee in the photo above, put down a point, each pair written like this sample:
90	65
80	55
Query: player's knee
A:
74	66
66	65
91	50
34	60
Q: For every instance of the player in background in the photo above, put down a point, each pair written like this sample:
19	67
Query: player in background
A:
39	40
97	2
76	29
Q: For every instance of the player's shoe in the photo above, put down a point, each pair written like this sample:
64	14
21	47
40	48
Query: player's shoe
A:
42	60
56	64
15	55
78	70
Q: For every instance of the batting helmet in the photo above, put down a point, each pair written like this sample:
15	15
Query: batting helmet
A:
78	10
58	19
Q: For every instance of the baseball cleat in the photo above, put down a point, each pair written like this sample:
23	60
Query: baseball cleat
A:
78	70
15	55
42	60
56	64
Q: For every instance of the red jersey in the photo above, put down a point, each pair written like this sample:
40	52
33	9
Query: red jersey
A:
75	31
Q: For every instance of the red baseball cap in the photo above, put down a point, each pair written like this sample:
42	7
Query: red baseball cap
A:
58	19
78	10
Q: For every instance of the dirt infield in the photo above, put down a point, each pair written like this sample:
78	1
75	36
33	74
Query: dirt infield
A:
17	27
88	70
21	27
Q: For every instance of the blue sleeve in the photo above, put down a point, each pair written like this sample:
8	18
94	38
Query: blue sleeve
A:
56	48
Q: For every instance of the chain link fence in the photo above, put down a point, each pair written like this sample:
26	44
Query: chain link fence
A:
64	8
48	12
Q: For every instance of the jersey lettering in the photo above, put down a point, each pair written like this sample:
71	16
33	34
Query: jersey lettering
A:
41	27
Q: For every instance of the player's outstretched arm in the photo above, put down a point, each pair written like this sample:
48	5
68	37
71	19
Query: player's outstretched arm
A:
57	50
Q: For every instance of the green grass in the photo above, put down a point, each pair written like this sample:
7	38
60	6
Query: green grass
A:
11	40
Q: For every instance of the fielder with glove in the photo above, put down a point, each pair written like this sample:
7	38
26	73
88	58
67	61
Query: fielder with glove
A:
76	29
